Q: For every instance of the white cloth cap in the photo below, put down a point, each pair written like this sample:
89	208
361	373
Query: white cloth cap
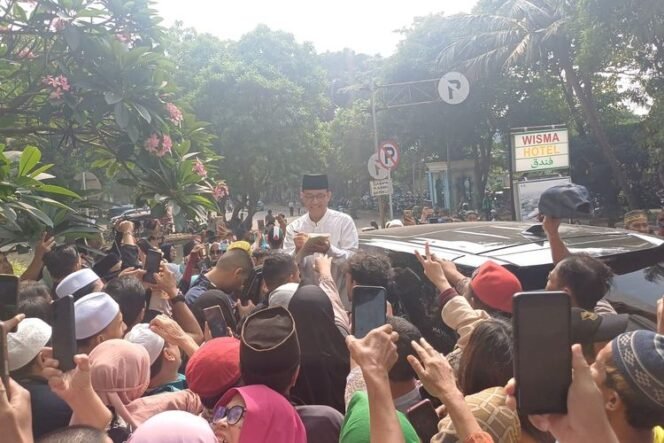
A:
74	282
282	295
396	223
31	335
141	334
93	313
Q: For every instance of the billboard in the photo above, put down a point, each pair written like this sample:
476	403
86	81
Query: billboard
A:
540	150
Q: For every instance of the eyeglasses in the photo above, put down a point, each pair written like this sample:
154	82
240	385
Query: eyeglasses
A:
312	197
232	415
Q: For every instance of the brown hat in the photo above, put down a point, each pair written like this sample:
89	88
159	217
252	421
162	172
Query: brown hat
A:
269	344
492	414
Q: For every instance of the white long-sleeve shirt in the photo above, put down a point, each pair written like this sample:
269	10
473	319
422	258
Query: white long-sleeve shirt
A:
341	227
344	241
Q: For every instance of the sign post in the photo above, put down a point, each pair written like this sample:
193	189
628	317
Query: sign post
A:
388	157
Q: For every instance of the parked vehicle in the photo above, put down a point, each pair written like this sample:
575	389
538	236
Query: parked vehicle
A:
636	259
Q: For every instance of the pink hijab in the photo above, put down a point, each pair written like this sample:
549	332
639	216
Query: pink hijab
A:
269	417
174	427
120	373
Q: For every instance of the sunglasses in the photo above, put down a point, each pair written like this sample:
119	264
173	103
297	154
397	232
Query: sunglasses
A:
232	414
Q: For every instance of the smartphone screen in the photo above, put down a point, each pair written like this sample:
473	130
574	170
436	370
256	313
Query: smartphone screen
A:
542	347
261	225
424	419
152	264
64	333
8	296
369	309
216	321
4	363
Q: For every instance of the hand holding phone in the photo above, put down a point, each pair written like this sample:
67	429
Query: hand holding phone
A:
8	296
4	358
542	351
152	265
424	419
216	321
64	333
369	309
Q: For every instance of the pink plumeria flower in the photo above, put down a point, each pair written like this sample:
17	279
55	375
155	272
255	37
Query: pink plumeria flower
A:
175	115
199	168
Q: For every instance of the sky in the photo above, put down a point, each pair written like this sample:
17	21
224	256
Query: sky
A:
362	25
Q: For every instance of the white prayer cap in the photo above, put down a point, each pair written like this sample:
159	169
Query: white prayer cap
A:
282	295
93	313
31	335
141	334
396	223
75	281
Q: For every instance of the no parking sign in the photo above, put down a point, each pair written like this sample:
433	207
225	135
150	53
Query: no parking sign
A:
388	154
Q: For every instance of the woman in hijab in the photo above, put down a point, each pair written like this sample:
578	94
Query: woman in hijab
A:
256	414
325	360
120	374
174	427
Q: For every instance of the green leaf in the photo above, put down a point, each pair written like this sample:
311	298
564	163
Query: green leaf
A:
43	176
33	212
72	37
40	170
48	201
144	112
112	97
29	159
121	116
59	190
191	154
133	133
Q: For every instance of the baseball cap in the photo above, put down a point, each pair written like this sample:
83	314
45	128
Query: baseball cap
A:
566	201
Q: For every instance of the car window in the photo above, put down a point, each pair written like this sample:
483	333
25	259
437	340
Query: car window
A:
643	286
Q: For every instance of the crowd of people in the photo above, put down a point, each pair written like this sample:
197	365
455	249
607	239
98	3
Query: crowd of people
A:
288	368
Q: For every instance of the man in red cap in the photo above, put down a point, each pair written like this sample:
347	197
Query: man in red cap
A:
489	293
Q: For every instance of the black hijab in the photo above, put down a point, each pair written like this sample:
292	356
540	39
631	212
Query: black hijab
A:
325	360
167	248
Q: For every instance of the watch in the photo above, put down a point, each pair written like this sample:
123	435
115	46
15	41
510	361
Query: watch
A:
177	299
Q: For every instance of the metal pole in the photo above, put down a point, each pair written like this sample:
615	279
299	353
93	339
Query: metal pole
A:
511	169
449	175
381	198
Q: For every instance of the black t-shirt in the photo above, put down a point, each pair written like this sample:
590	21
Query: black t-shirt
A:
49	412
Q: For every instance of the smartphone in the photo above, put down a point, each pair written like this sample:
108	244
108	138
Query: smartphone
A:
252	287
8	296
103	266
434	220
152	264
4	364
369	309
216	321
64	333
542	351
261	225
424	419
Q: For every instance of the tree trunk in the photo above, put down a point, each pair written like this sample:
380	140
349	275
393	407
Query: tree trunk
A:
599	133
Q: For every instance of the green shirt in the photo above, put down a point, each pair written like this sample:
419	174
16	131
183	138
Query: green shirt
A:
357	429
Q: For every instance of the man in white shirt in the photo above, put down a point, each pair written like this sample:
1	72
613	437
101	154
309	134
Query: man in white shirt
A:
319	219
